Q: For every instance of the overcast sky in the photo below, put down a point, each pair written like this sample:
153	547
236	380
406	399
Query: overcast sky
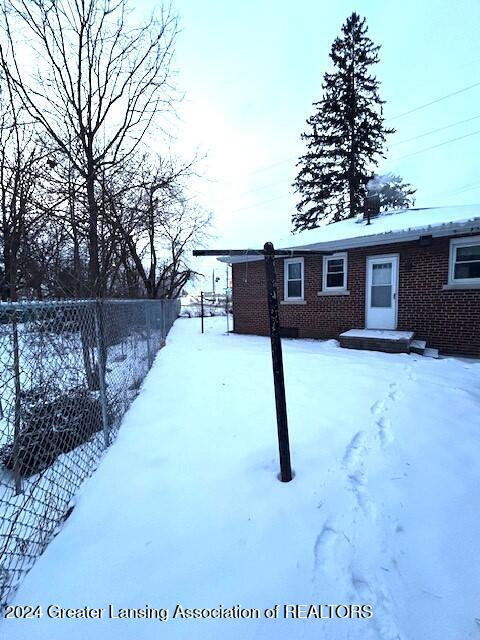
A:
250	71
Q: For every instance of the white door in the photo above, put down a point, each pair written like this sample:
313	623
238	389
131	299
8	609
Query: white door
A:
382	285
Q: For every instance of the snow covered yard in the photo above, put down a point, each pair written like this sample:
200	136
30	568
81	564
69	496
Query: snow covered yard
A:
186	507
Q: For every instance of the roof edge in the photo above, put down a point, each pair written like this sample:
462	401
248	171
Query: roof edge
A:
389	237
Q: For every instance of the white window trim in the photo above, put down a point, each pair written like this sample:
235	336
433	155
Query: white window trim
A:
460	242
286	262
335	256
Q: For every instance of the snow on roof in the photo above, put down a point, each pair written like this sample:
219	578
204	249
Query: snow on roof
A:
388	227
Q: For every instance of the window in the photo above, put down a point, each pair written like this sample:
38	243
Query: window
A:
381	285
293	283
465	261
335	272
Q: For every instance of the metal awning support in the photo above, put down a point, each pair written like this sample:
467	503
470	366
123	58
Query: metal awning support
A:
277	364
270	253
286	253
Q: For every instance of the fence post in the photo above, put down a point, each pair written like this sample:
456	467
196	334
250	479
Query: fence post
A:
201	307
162	303
18	390
148	331
101	369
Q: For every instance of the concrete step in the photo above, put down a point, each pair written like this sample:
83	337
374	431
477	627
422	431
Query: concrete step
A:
418	346
377	340
430	353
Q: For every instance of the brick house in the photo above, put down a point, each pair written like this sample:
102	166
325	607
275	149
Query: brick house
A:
414	270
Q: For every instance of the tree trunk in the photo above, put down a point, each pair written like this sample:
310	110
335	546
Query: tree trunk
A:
77	288
95	288
150	289
6	291
352	114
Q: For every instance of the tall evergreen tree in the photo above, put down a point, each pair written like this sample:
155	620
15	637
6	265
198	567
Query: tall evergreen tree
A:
347	133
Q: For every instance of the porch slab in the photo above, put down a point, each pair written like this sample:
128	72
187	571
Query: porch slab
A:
377	340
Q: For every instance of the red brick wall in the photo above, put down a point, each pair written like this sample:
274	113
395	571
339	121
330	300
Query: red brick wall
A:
448	319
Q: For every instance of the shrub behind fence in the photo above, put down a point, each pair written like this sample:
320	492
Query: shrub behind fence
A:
68	373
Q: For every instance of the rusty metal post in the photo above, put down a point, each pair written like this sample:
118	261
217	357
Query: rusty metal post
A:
201	307
277	361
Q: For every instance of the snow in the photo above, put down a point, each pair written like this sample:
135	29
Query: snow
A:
418	344
186	506
390	226
58	368
379	334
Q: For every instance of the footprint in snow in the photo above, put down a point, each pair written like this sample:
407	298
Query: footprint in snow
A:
377	407
362	588
357	485
385	431
394	392
323	549
375	594
354	449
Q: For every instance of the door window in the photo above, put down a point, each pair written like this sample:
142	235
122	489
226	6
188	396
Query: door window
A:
381	288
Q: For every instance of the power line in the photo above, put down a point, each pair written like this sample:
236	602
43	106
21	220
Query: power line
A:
436	146
468	187
441	144
423	106
249	191
423	135
428	104
451	192
294	158
400	115
258	204
270	166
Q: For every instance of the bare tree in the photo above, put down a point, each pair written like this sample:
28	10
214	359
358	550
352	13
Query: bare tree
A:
156	226
99	84
181	228
21	167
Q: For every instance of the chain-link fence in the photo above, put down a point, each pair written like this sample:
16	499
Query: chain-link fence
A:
212	305
68	373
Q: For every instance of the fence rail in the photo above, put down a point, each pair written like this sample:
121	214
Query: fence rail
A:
68	373
213	305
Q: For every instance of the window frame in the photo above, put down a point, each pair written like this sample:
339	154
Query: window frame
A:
286	280
341	255
461	242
